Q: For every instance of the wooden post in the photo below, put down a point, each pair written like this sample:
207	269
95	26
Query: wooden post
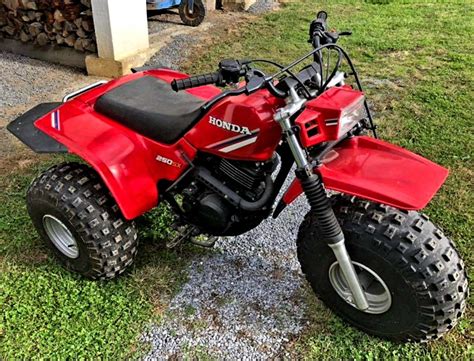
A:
121	30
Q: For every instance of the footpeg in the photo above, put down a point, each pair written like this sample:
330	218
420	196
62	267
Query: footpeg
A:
184	233
188	233
204	240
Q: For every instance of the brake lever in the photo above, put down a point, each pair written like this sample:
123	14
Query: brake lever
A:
331	37
254	83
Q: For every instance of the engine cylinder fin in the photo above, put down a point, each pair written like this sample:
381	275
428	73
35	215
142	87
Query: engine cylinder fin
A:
239	175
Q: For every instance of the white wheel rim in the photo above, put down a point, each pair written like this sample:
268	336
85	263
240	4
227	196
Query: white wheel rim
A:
376	291
61	236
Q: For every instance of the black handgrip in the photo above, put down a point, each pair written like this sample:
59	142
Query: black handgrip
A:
194	81
321	19
322	15
317	28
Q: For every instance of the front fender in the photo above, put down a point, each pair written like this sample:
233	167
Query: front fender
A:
378	171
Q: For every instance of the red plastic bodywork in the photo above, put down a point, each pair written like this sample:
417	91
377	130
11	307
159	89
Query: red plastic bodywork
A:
127	161
372	169
254	112
318	122
132	165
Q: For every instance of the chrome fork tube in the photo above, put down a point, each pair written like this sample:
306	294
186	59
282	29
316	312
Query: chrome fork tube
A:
298	153
350	275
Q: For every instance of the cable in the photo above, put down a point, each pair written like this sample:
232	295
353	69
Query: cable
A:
349	62
333	73
287	70
328	60
266	61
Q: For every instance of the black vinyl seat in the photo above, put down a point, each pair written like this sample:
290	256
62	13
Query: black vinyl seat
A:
150	107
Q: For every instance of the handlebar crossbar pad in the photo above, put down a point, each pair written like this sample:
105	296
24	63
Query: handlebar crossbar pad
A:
194	81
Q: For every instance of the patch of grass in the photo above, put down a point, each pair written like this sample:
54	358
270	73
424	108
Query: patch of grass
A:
48	312
417	60
330	338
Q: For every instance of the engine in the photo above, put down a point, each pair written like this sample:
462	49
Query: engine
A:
206	205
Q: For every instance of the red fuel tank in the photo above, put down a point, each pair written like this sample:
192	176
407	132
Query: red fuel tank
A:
240	127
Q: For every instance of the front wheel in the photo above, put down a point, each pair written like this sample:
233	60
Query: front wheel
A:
412	275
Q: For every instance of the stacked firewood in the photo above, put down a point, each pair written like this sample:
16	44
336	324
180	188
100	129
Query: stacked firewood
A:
43	22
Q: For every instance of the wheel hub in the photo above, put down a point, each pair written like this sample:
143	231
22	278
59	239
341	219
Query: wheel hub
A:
376	291
61	236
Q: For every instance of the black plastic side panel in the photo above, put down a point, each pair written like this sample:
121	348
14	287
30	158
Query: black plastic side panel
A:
24	129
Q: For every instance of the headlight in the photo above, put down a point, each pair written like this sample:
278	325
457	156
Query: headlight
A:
331	115
351	115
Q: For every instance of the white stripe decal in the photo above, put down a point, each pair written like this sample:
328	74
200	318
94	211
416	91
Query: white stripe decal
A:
239	145
55	122
225	141
231	139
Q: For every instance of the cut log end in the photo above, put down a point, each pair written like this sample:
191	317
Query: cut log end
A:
45	22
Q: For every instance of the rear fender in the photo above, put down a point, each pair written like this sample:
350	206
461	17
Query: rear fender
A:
24	129
378	171
130	165
124	160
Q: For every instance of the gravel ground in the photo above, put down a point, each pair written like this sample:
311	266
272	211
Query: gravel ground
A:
23	79
175	52
242	302
180	48
262	6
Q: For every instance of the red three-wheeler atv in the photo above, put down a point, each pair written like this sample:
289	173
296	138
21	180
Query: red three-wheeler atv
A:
219	158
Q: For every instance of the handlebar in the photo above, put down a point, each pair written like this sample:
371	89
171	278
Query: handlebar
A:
197	80
230	71
319	34
322	15
318	27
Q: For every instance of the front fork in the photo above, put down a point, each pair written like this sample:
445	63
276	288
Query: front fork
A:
328	226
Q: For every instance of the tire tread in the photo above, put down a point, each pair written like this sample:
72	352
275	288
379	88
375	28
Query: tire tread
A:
78	191
426	258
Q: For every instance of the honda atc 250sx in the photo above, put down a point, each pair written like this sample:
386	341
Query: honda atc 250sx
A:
219	158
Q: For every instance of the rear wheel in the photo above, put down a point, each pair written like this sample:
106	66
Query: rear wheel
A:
195	17
75	214
412	275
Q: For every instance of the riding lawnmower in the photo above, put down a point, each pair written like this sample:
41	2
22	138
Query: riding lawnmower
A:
191	12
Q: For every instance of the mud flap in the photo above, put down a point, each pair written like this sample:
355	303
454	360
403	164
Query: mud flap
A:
24	129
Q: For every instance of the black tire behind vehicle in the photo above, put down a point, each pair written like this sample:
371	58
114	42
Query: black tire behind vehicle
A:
420	266
196	17
74	196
